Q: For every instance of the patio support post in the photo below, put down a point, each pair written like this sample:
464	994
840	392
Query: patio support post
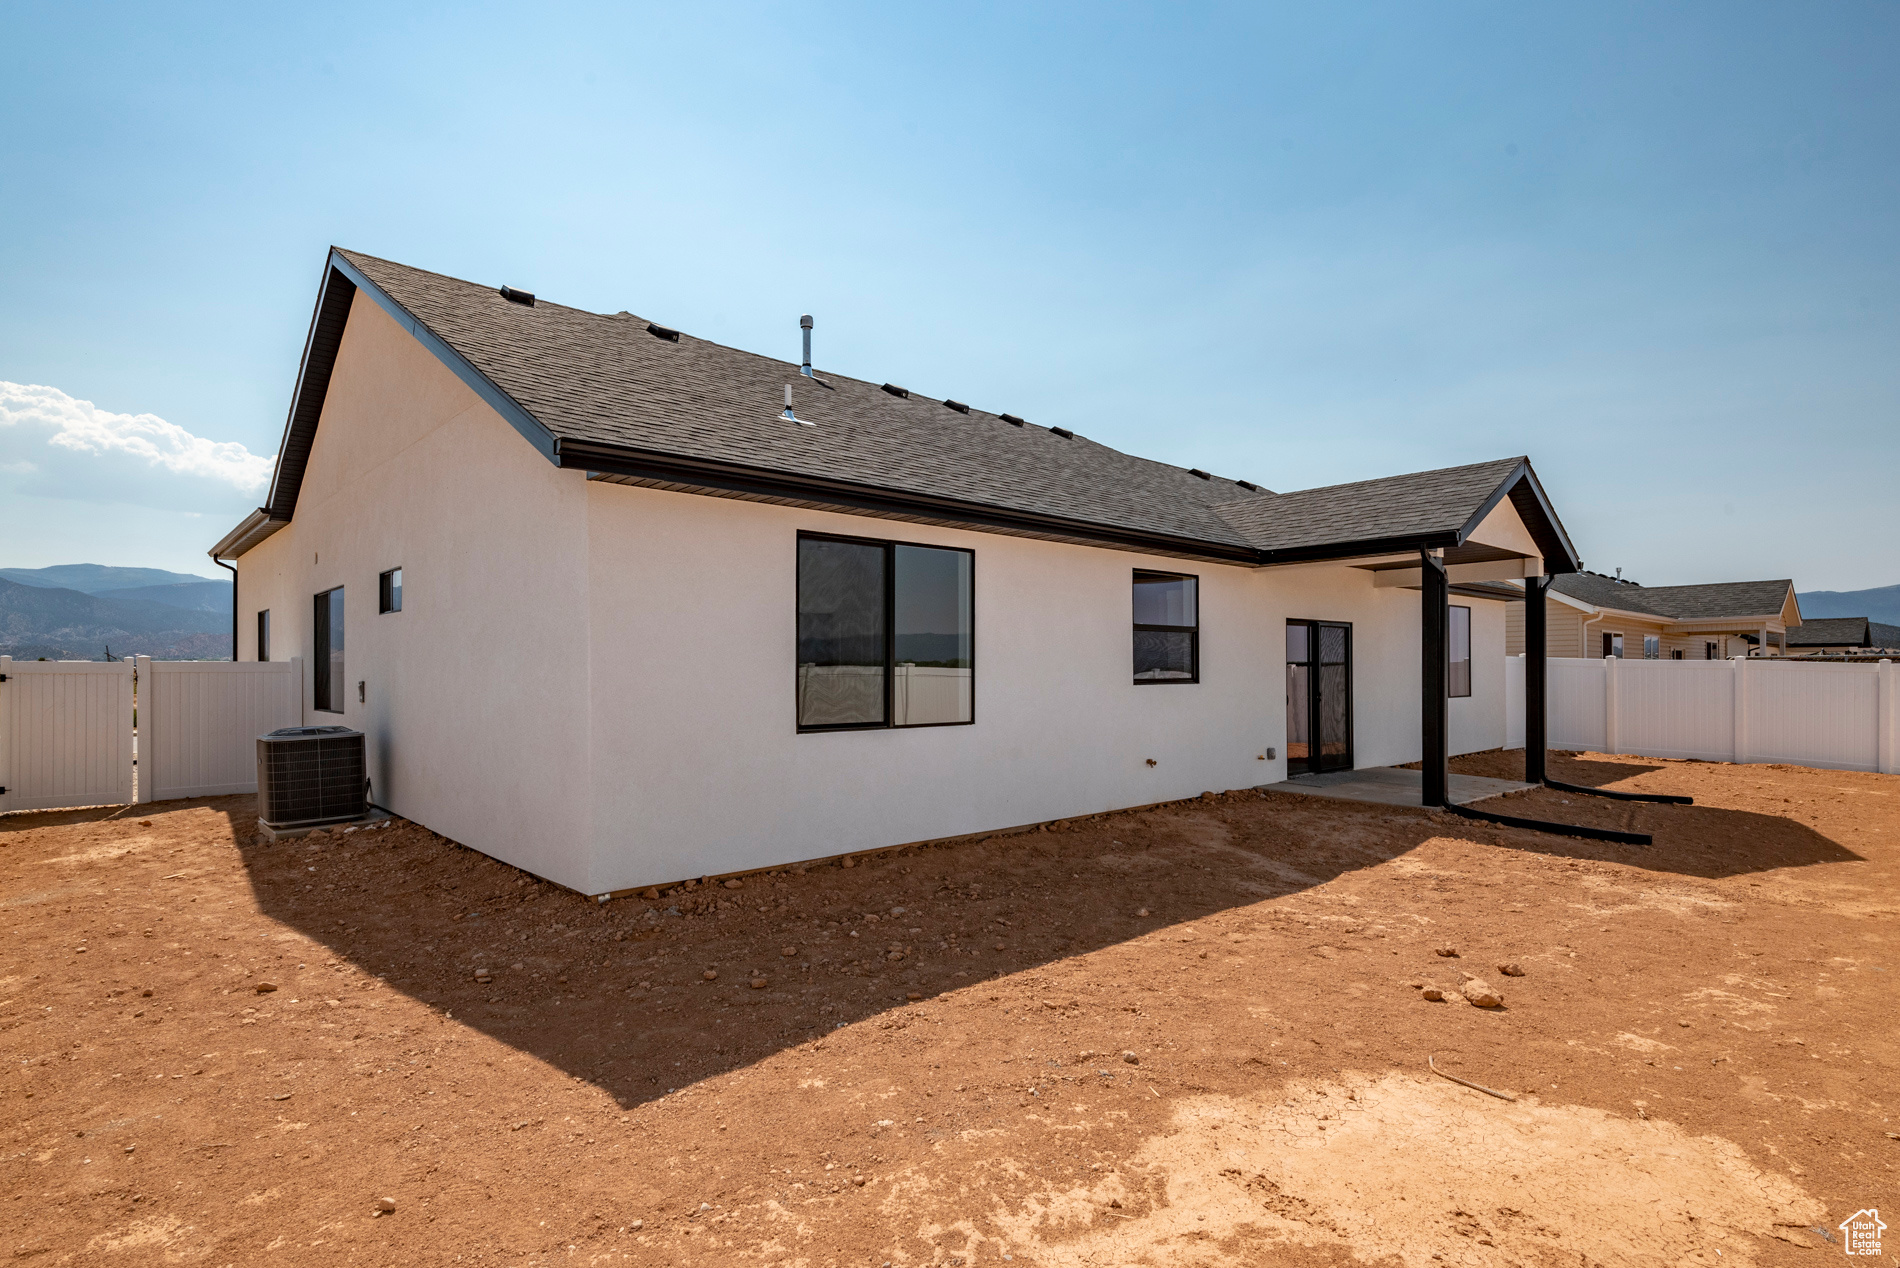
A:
1536	679
1434	668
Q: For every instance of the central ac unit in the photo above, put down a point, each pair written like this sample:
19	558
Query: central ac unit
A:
308	776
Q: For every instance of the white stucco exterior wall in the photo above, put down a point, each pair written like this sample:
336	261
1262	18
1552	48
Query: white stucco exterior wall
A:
704	771
476	692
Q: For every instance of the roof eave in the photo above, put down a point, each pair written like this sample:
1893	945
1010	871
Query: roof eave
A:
732	478
251	530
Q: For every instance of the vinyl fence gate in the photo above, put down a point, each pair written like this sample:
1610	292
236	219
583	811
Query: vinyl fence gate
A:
68	735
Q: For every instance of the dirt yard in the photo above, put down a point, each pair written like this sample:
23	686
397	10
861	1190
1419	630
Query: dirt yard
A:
1194	1035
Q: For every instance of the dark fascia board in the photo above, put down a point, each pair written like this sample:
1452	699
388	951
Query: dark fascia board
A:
1362	548
1527	497
617	460
327	319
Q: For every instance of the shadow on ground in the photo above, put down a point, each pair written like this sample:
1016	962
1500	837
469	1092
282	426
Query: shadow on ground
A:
618	994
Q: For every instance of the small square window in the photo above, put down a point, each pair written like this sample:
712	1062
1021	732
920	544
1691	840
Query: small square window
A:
1167	628
389	591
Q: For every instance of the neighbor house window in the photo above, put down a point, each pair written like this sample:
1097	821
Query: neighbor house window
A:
1652	647
389	591
1167	628
1676	654
1711	651
263	634
886	634
1613	645
1458	681
328	662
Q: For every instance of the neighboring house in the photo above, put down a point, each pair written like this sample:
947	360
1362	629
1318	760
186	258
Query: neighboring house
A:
1842	634
620	606
1592	616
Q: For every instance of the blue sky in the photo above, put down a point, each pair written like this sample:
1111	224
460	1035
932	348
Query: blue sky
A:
1652	247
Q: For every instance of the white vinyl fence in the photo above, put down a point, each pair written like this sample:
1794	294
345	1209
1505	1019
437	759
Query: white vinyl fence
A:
67	733
1839	716
199	721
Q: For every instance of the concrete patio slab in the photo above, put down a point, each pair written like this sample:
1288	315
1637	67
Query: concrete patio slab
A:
1391	786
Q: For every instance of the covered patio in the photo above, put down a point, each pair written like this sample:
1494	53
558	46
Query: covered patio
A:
1394	786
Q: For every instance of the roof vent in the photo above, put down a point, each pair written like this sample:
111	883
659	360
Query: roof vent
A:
958	406
514	296
1199	474
895	390
1012	420
1249	485
804	324
788	415
1063	432
661	332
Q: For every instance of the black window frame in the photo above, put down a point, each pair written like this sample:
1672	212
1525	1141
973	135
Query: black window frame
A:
889	546
1192	631
388	592
324	692
1451	692
263	633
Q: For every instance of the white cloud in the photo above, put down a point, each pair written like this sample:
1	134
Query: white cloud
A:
83	427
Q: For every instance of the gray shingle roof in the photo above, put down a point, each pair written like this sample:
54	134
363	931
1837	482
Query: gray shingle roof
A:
606	394
600	378
1712	602
1828	631
1419	504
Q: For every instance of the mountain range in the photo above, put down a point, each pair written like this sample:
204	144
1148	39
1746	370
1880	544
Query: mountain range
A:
1879	604
90	611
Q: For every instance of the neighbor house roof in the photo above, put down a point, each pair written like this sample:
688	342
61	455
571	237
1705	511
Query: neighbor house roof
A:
1830	631
631	401
1722	600
1843	631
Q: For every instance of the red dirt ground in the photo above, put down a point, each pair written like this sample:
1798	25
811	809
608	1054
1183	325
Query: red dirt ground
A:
1702	1043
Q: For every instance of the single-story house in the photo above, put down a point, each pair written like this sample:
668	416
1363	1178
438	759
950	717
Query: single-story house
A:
1835	634
1592	615
622	606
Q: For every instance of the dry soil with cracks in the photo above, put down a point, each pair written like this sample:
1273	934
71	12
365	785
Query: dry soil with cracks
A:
1195	1034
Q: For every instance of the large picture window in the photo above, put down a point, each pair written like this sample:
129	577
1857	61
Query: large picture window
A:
327	665
885	634
1167	628
1458	681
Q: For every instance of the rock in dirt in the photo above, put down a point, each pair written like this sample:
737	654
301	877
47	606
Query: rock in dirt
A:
758	983
651	894
636	1226
1142	912
385	1206
788	952
145	823
914	995
1434	993
1447	952
265	988
710	975
1511	968
1480	993
735	883
847	863
1131	1058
